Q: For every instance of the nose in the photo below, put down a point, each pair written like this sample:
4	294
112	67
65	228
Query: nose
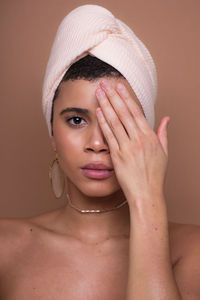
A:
96	140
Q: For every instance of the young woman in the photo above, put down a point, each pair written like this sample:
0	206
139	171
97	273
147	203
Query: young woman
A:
112	240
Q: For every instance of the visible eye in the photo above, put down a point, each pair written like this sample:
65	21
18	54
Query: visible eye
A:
76	119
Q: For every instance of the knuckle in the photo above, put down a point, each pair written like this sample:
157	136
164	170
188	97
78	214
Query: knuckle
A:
120	154
139	142
111	93
137	113
126	94
115	123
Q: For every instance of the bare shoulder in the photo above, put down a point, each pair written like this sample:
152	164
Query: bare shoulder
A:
15	227
12	233
183	236
12	227
13	230
186	240
17	233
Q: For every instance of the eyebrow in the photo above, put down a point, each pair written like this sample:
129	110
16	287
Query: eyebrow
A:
80	110
75	109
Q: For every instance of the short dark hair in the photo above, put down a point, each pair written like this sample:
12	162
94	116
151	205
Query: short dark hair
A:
88	68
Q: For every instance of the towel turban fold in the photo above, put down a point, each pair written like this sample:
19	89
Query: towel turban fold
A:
92	29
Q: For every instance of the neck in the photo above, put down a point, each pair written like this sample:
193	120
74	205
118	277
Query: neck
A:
96	227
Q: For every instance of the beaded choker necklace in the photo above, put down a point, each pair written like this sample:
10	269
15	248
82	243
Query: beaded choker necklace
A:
94	210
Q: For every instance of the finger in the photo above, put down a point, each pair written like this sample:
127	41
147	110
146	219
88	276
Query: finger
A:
111	140
162	134
112	119
122	112
134	108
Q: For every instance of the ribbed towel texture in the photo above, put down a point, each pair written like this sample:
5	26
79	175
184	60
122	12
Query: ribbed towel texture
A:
93	29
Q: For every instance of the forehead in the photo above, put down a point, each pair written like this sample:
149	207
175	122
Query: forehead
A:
84	90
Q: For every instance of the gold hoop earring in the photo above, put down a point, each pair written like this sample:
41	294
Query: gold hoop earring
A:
56	177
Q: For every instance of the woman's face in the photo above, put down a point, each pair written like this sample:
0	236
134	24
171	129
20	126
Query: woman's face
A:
78	138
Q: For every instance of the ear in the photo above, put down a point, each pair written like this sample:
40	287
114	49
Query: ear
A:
53	143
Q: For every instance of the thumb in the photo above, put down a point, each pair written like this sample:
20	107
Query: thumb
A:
162	134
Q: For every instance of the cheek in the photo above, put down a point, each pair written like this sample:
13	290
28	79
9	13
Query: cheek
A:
69	142
69	146
67	153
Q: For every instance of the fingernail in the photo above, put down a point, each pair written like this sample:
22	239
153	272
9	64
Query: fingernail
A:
120	87
104	84
100	93
99	112
168	123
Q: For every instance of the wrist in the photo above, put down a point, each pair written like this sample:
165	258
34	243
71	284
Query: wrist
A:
154	196
148	206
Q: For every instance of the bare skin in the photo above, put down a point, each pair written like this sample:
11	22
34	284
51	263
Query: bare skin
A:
67	255
40	261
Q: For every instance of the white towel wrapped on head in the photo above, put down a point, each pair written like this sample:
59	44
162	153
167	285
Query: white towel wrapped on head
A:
93	29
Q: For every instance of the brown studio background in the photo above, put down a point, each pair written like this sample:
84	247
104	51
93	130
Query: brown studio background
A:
170	29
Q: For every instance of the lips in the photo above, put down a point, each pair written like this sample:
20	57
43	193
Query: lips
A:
97	174
97	166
